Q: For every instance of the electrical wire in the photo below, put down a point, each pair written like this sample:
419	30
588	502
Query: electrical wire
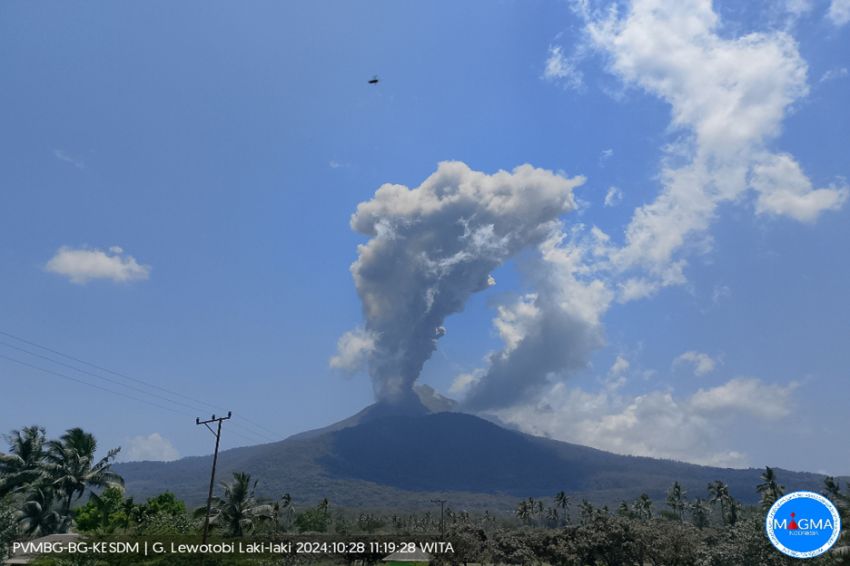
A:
276	436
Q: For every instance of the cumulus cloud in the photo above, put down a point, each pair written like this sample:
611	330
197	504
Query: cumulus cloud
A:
784	190
839	12
431	247
81	265
562	70
656	423
151	447
728	97
700	363
745	395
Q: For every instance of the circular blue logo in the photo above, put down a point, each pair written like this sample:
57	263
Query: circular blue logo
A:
803	524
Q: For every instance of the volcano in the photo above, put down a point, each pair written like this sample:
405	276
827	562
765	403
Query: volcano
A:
401	455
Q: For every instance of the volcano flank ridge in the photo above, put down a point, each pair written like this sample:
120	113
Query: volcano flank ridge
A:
399	456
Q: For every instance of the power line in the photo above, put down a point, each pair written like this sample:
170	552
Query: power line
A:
138	389
62	375
118	393
264	431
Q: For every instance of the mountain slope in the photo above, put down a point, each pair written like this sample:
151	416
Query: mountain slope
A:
403	458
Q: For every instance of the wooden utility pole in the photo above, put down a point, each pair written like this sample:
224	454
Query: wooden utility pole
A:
217	433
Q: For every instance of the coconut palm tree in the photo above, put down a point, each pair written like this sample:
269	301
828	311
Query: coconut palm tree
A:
699	513
40	514
552	516
71	466
238	511
676	500
769	488
24	463
587	511
643	507
562	501
523	511
719	492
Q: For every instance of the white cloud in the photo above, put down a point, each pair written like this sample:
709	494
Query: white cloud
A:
785	190
151	447
700	362
605	155
657	424
745	395
728	98
82	265
620	366
613	197
353	349
839	12
562	70
833	74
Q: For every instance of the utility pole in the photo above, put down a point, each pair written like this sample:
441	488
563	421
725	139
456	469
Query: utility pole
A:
442	503
217	433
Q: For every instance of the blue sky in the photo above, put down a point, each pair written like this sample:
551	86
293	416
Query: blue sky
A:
224	147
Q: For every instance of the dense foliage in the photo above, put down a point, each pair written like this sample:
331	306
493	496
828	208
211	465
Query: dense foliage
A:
40	479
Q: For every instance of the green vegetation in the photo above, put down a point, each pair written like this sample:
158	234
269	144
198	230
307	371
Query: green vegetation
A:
237	513
40	480
44	477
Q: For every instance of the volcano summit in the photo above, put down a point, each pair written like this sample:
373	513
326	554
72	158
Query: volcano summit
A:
401	455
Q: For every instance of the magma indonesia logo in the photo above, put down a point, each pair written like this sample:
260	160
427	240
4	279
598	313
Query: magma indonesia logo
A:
803	524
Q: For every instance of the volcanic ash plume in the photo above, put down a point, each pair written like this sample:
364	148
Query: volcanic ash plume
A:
430	248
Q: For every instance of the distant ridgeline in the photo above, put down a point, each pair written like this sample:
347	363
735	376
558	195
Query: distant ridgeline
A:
389	457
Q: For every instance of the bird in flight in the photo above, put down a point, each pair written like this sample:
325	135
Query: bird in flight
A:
373	80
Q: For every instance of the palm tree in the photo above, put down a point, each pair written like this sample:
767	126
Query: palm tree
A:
523	512
769	488
699	513
552	517
39	516
676	500
532	507
563	501
586	510
24	463
71	466
719	492
238	510
643	507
